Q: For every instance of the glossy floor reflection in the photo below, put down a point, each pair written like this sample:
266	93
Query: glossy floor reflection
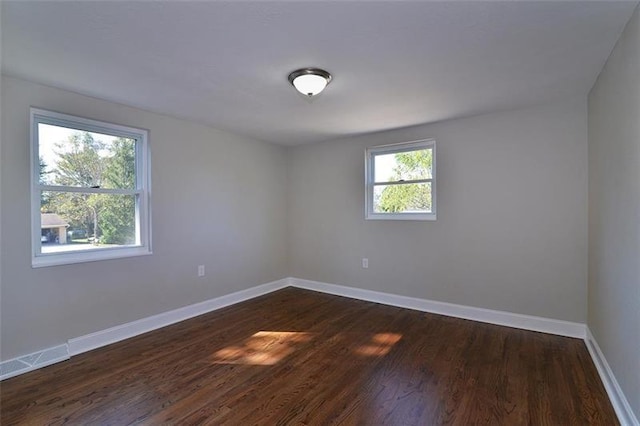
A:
297	357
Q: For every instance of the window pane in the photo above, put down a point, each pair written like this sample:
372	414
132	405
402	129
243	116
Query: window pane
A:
70	157
402	198
409	165
72	221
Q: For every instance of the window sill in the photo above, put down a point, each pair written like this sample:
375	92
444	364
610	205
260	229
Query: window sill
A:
55	259
402	216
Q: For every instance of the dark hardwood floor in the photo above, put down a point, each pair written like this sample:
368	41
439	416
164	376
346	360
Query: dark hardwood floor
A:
296	357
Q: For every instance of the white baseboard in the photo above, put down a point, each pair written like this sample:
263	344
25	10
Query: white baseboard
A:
120	332
115	334
616	395
26	363
526	322
78	345
23	364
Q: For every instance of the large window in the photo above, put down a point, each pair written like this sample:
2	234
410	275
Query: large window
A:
89	190
401	181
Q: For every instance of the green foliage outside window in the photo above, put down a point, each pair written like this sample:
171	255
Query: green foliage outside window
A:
85	162
411	165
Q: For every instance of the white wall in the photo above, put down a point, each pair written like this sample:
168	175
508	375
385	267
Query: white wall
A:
614	212
511	232
218	200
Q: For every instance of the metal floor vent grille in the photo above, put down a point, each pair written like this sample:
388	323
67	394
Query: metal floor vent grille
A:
12	366
16	366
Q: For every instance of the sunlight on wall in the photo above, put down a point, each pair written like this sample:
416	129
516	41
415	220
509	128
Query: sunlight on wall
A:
262	348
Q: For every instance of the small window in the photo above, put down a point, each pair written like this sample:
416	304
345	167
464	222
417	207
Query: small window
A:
89	188
401	181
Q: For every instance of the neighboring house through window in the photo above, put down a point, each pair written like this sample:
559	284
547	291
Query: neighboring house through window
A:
401	181
90	190
54	228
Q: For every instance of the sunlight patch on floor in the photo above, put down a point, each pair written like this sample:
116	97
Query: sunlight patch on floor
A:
380	344
262	348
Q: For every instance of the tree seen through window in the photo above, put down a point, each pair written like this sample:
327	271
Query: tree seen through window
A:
406	197
85	161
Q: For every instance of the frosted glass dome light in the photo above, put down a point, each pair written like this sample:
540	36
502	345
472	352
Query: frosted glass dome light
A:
309	81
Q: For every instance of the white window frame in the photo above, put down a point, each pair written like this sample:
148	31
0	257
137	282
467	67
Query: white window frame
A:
370	155
142	191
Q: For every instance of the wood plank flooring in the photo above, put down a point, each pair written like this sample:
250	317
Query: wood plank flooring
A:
296	357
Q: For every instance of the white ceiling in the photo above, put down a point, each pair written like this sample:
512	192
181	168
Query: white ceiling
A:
394	63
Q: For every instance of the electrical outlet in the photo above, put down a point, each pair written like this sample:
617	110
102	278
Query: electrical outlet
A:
365	262
201	270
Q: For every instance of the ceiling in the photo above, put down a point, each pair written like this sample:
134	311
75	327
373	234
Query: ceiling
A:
394	63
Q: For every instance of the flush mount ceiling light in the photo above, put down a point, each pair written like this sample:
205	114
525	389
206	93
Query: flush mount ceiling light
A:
309	81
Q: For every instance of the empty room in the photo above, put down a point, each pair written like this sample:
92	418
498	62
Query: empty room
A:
320	212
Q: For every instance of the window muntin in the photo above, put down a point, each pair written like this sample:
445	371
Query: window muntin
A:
90	190
400	181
